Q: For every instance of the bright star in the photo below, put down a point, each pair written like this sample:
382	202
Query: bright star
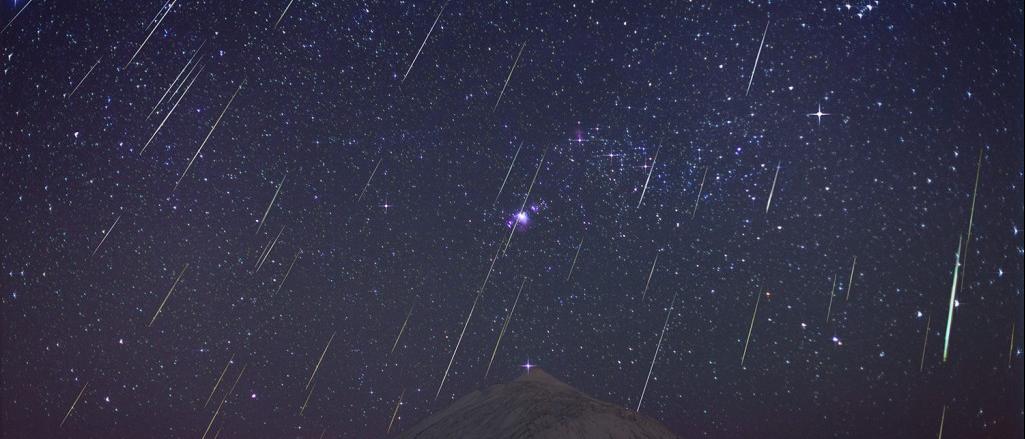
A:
819	114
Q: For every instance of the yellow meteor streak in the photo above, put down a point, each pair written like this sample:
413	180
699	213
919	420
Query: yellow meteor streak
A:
395	412
751	328
218	383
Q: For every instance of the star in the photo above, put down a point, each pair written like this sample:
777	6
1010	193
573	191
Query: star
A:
819	114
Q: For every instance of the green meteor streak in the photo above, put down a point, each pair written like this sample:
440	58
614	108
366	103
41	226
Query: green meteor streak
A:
953	294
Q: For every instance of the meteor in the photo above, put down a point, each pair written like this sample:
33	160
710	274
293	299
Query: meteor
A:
425	41
953	300
289	271
396	411
650	170
271	204
925	342
700	189
84	77
225	398
757	57
289	5
175	81
73	404
173	107
168	296
105	235
504	327
773	189
218	383
322	354
971	217
665	326
850	282
650	274
575	256
830	309
372	173
161	20
270	248
511	164
402	329
751	328
526	197
212	128
517	61
29	2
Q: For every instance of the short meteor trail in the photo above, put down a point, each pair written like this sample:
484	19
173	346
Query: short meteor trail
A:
575	256
700	189
504	327
73	404
84	77
506	179
665	326
850	282
757	57
105	235
212	128
271	204
289	271
830	309
1010	350
943	418
173	107
953	300
168	296
369	180
925	342
395	412
650	170
772	190
650	274
289	5
425	41
517	61
307	401
161	20
16	16
402	329
322	354
219	379
751	328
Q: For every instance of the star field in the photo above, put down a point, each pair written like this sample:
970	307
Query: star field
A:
338	195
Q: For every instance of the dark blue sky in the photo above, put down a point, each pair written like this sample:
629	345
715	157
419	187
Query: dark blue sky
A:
913	93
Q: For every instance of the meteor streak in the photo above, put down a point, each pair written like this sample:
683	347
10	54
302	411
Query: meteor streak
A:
168	296
650	170
289	5
925	342
700	189
575	256
161	20
322	354
509	76
218	383
402	329
16	16
751	328
850	282
289	271
757	57
650	273
173	107
504	327
225	398
665	326
105	235
396	411
84	77
953	300
212	128
511	164
372	174
830	309
73	404
271	204
971	218
425	41
526	197
175	81
270	248
768	203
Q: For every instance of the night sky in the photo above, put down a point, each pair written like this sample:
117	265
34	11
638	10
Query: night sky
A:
635	118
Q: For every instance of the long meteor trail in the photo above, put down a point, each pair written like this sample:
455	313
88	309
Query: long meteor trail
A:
757	57
575	256
168	296
850	282
219	379
16	16
402	329
73	404
322	354
971	218
700	189
173	107
650	274
161	20
751	328
526	197
421	49
208	134
665	326
506	179
504	327
105	235
369	180
84	77
772	190
517	61
271	204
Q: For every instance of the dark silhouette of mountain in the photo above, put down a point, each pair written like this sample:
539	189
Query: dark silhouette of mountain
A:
535	406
